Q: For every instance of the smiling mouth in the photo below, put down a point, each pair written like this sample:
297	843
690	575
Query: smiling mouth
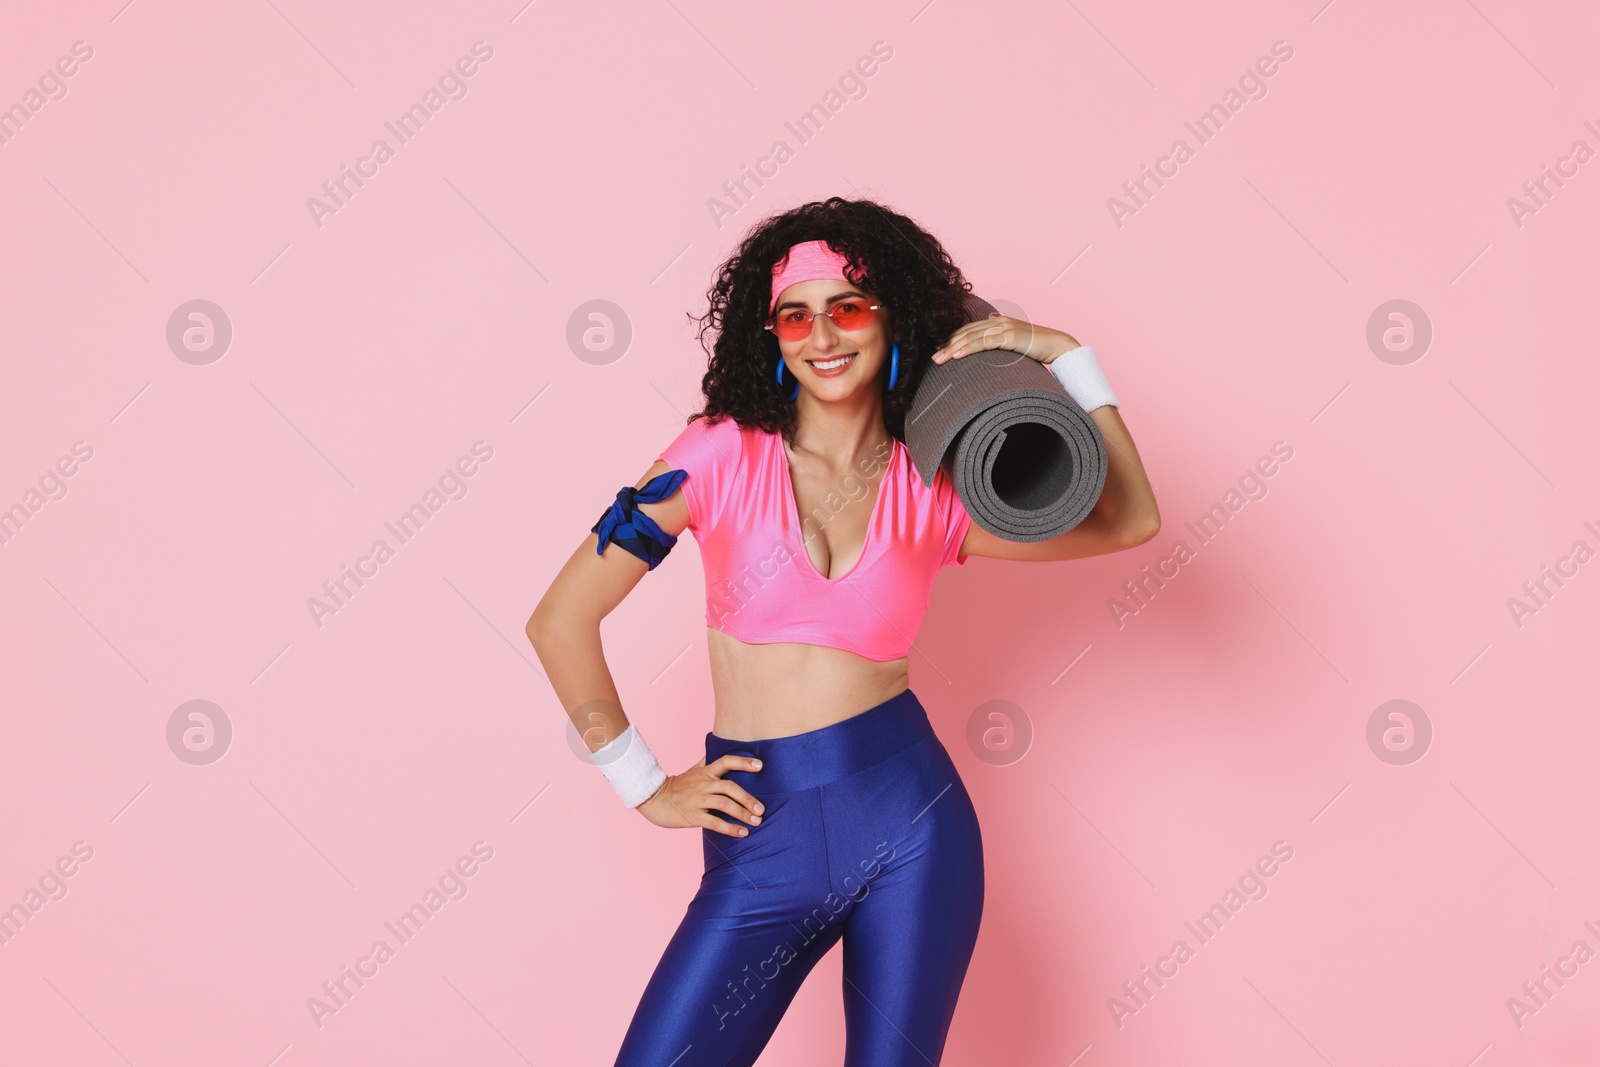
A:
831	364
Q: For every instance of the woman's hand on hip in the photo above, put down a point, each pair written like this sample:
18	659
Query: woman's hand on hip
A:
1001	331
688	799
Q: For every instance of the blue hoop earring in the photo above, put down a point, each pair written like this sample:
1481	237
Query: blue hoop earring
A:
780	380
894	365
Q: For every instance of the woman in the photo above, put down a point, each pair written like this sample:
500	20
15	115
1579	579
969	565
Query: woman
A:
828	808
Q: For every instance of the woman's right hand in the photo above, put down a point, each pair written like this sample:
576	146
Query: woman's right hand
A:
688	799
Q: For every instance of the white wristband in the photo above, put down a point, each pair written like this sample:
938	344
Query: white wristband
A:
630	767
1080	376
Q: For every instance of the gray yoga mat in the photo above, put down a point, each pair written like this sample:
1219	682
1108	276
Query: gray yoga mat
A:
1026	460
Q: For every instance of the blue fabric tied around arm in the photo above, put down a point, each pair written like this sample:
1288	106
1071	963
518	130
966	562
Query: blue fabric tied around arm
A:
624	524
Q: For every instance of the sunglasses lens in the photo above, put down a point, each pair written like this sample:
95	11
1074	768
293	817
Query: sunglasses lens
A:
792	325
851	316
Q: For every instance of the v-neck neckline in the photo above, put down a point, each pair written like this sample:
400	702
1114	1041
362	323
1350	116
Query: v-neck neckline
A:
794	509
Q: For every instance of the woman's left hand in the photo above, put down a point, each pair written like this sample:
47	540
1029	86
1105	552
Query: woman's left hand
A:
1001	331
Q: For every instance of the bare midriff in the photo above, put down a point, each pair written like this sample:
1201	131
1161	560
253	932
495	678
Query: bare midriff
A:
785	687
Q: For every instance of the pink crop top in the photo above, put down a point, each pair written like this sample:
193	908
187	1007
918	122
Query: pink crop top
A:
762	587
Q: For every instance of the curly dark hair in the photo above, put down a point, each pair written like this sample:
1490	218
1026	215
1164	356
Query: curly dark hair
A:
891	257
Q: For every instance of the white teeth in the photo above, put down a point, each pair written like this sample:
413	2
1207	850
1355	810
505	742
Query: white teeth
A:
832	363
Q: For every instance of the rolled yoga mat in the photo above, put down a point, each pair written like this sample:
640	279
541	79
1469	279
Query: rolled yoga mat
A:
1026	460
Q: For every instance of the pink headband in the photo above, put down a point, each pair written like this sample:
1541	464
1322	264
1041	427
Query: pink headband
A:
806	262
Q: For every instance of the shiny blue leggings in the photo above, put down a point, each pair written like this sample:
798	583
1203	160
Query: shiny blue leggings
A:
869	836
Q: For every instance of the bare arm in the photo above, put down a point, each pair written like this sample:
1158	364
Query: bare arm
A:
565	632
1125	515
565	626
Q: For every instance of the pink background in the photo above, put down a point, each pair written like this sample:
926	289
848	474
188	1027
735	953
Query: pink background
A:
430	312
